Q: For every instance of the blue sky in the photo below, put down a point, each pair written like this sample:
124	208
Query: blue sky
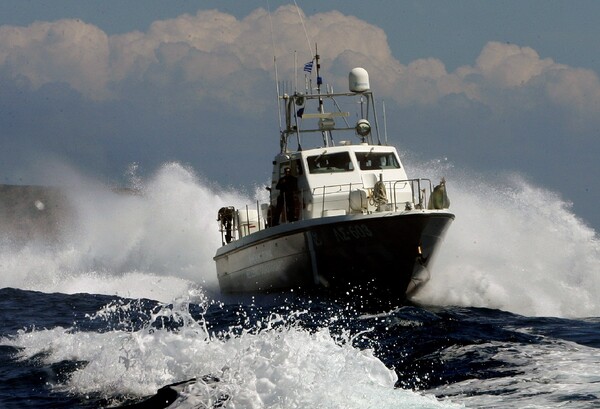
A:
495	86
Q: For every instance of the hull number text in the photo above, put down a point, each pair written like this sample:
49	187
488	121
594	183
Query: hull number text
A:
354	232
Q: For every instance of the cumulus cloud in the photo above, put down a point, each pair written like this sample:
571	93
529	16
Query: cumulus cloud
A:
508	65
194	76
201	50
207	51
67	51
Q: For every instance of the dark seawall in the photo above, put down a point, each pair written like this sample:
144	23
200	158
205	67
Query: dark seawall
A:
30	213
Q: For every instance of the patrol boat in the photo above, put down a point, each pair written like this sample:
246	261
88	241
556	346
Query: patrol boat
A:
341	215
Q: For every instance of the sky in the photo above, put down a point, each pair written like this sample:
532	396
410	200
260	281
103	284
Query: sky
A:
491	87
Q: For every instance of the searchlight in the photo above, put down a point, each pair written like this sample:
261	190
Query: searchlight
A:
363	128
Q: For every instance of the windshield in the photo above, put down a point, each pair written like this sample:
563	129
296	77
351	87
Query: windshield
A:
333	162
377	160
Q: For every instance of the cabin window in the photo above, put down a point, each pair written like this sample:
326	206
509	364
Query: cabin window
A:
295	165
377	160
282	167
332	162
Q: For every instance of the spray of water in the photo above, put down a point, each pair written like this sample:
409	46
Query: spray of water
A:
155	241
271	365
513	246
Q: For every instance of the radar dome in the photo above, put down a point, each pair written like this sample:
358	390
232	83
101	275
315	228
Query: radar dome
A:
358	80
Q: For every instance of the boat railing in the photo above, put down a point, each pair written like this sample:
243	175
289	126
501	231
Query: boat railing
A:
422	194
420	190
323	201
236	223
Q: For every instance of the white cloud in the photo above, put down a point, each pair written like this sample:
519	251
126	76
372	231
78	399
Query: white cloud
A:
191	87
67	51
517	78
508	65
209	52
575	90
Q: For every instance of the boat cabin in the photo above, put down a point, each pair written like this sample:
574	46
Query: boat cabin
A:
340	180
332	179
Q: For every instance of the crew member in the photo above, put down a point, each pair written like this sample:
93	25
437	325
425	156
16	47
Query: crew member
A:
287	186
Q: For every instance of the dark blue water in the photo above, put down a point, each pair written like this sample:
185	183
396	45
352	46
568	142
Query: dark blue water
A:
473	356
113	302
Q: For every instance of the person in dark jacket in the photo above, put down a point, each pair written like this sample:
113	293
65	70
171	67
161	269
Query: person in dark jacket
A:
287	186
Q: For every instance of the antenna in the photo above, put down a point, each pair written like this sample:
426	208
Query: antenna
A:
275	67
376	120
385	138
319	82
295	71
304	27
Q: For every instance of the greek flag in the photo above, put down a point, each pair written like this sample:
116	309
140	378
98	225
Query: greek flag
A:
308	66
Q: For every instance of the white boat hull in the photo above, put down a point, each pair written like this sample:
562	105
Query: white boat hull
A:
275	264
384	252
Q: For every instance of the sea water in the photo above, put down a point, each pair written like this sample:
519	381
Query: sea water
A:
126	302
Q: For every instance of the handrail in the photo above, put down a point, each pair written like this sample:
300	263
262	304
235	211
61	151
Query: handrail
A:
391	184
323	204
419	199
412	182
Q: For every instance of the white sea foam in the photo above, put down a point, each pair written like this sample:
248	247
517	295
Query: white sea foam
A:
516	247
513	246
551	374
156	244
283	367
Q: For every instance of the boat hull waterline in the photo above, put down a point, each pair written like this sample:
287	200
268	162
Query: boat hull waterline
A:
382	253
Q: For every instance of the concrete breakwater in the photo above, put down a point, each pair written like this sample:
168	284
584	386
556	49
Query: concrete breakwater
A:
30	213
